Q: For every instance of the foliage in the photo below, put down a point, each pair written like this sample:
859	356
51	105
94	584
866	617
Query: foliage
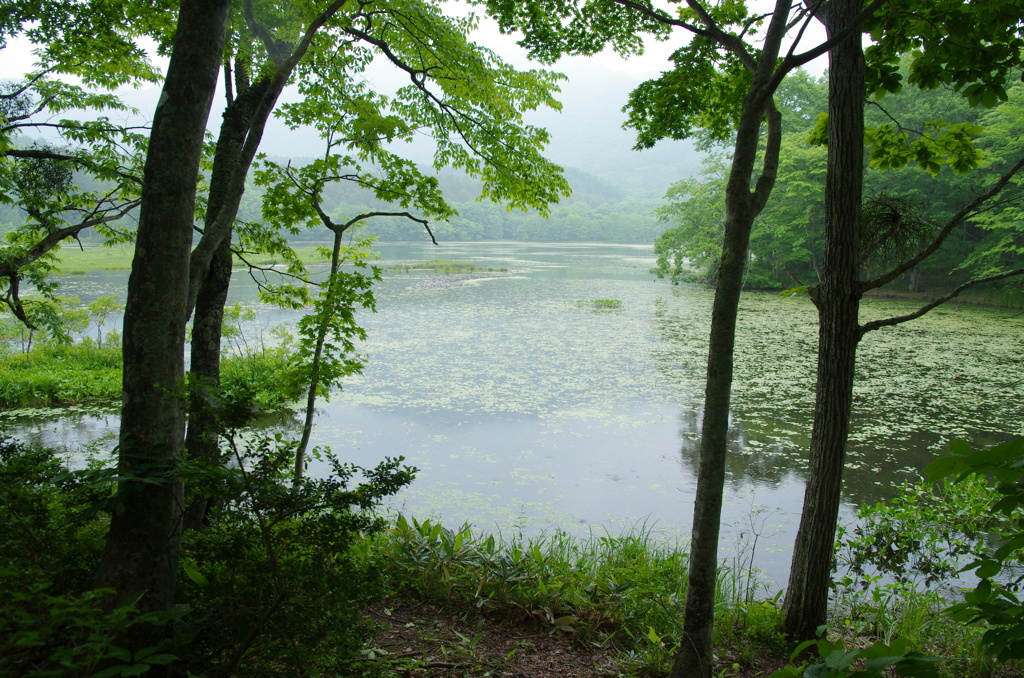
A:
276	581
274	585
262	374
52	623
333	322
55	374
994	599
73	635
626	590
257	371
876	661
901	205
49	535
691	249
923	535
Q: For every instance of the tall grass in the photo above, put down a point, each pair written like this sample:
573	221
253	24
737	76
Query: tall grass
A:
89	374
51	374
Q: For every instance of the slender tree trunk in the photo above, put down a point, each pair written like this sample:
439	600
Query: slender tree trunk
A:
202	439
314	371
141	556
742	204
837	299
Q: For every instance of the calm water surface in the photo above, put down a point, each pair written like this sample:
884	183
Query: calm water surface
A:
525	410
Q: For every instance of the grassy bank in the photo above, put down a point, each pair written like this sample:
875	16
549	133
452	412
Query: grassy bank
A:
52	375
626	593
78	261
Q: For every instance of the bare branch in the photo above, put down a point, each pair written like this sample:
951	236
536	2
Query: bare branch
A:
889	322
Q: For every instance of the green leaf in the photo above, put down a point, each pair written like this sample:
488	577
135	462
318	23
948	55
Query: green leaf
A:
193	574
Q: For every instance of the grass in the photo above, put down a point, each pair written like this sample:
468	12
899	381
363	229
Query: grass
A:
628	592
86	374
599	304
445	266
50	374
78	261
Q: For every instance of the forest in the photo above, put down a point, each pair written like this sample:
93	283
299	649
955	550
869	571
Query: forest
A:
202	542
786	246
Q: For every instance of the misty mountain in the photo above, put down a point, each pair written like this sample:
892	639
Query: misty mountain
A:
588	134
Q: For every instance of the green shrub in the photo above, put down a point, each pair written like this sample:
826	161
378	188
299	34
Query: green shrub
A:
52	623
276	582
51	531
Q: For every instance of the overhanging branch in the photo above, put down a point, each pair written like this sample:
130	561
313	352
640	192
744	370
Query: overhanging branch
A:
889	322
953	222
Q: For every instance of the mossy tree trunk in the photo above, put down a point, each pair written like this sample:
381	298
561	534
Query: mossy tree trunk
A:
141	556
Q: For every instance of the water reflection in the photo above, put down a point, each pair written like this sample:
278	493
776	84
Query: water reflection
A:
528	412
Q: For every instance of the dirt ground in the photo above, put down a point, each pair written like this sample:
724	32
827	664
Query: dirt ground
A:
422	640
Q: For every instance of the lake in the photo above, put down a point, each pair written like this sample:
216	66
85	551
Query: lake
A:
527	411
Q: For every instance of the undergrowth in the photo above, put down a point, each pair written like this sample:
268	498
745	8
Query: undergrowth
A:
627	590
60	374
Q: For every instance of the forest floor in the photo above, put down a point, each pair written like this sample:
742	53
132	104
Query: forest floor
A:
424	640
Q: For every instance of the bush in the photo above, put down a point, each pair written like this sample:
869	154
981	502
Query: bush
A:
51	622
277	581
273	586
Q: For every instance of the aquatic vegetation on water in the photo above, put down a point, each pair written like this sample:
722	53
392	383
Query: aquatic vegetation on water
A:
599	304
445	266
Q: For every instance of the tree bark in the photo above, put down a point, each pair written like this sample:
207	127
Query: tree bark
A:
837	299
202	439
141	557
742	204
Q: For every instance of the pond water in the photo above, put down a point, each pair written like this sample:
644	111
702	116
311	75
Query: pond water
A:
527	411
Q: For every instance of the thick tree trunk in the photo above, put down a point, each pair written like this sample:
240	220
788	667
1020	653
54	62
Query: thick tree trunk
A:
141	556
837	299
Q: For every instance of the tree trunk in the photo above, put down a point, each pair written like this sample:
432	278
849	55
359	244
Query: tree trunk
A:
314	370
141	556
202	439
837	299
694	659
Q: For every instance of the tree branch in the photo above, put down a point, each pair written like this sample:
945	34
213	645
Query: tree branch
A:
221	225
953	222
889	322
770	167
795	61
11	267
